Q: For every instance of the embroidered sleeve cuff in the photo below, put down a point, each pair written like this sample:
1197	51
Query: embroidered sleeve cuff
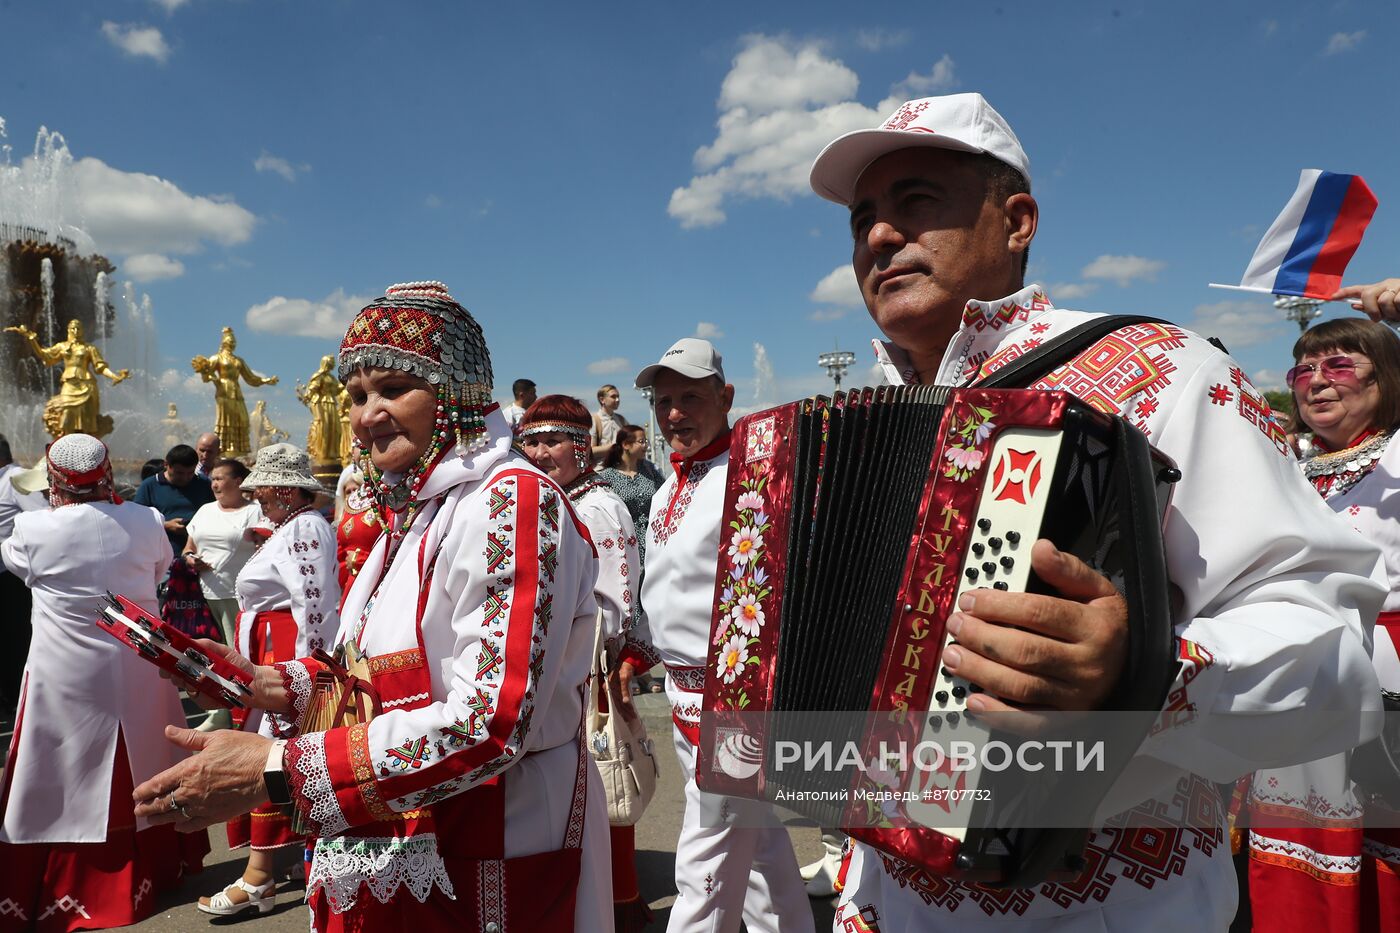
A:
640	655
296	680
309	778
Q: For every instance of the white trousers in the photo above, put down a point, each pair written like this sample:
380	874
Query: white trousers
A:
729	867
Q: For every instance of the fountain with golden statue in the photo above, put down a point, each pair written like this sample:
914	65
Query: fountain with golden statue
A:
327	440
225	369
76	407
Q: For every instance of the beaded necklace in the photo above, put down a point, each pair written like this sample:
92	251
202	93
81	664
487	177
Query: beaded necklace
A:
291	515
402	496
583	485
1332	473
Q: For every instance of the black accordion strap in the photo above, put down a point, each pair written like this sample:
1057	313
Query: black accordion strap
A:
1048	357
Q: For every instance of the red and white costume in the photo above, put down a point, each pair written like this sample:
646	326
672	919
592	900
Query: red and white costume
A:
288	598
90	725
462	805
1311	864
605	516
1275	603
722	872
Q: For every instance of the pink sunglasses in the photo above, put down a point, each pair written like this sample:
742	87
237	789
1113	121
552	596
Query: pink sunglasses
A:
1334	369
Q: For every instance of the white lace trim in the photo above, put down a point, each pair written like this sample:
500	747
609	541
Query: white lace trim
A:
299	680
382	864
317	787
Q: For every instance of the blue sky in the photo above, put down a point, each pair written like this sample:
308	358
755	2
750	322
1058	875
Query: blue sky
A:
596	180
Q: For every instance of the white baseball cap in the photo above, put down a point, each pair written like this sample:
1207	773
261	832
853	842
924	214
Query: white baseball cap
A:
692	357
964	122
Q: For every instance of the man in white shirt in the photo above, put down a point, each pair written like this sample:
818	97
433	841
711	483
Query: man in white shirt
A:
1273	598
524	392
723	871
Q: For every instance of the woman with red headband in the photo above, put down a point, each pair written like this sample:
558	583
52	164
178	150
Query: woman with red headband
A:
72	856
554	433
466	802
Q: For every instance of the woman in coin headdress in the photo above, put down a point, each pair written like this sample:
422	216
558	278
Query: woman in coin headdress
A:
1313	865
72	857
462	804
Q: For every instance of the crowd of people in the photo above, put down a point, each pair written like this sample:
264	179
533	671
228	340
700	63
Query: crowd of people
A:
477	555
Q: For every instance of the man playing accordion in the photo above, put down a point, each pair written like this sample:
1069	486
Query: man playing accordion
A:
1271	615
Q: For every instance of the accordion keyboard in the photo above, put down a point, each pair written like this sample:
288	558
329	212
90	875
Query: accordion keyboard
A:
1009	518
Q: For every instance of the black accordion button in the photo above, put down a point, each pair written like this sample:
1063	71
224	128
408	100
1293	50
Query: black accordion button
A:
941	696
972	573
995	543
959	692
977	550
989	568
1000	585
1014	537
935	723
1007	562
953	719
984	524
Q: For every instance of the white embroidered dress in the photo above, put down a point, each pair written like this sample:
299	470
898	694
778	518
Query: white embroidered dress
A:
81	684
501	654
605	516
1275	599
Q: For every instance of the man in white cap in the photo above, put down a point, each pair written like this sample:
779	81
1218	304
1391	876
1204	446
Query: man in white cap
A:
732	858
1270	618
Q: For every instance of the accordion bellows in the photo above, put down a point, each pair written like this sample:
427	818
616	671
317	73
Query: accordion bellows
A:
849	529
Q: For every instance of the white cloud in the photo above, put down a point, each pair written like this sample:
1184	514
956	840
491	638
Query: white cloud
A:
148	267
1123	269
828	314
613	364
939	79
131	212
186	381
839	287
873	40
1238	323
1343	42
1268	380
1270	27
170	6
708	331
1069	291
299	317
782	101
432	202
267	162
136	40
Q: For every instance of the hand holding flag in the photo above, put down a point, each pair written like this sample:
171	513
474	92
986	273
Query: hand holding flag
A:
1380	301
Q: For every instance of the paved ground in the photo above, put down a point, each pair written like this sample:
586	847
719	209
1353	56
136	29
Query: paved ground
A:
656	840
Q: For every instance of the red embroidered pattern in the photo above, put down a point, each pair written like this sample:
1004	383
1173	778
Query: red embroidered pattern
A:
980	316
1255	409
661	530
1122	371
1179	709
1145	855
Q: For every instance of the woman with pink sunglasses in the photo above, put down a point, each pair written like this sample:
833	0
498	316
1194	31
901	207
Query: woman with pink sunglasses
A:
1322	855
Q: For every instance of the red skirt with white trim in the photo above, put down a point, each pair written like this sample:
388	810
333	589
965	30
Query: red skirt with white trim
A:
273	639
57	887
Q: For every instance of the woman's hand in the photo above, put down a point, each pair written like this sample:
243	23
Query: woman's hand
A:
195	562
1380	301
222	780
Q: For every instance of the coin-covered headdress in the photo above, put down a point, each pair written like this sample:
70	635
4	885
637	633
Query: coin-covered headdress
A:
419	328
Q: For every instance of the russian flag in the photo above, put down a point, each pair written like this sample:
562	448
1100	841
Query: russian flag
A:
1307	248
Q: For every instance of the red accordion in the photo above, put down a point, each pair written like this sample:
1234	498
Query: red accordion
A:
850	527
175	652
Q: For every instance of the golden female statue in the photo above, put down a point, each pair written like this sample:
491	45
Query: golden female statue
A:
224	369
321	394
265	433
346	437
74	409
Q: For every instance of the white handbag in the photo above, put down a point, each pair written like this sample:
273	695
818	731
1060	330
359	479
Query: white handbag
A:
619	746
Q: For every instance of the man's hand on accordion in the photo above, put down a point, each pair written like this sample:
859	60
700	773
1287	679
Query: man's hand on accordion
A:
1033	652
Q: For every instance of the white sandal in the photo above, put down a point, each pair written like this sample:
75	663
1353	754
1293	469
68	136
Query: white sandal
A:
260	898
